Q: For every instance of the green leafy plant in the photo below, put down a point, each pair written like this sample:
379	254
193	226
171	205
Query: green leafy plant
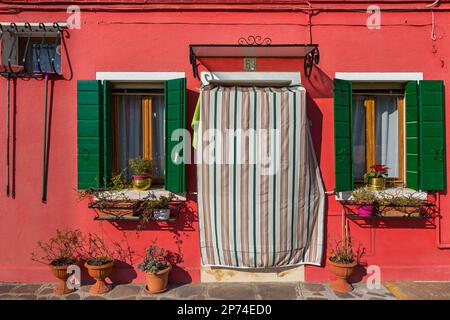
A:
377	171
155	260
64	248
365	196
141	166
152	202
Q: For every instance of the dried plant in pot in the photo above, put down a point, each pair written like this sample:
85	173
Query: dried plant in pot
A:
112	199
342	261
142	170
157	268
366	201
99	263
59	252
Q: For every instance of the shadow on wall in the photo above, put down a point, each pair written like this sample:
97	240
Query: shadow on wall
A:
191	175
318	86
125	268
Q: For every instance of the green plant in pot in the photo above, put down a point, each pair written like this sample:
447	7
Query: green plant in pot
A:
157	207
142	170
99	263
376	177
366	201
59	252
157	267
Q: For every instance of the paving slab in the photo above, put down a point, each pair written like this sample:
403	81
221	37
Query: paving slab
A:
232	291
276	291
419	290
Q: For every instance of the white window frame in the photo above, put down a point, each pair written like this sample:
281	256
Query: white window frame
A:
139	76
294	77
379	76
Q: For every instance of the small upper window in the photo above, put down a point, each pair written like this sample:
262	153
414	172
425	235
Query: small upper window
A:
30	49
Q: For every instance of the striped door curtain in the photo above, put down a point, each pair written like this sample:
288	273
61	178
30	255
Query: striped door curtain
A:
260	193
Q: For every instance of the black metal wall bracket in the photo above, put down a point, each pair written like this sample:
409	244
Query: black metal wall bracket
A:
256	47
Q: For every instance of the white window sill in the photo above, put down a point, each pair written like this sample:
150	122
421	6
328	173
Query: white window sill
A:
131	194
347	195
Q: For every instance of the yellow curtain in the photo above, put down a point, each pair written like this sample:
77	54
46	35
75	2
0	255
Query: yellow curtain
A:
369	103
401	136
147	128
115	133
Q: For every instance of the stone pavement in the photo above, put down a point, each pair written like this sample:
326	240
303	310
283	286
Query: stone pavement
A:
197	291
419	290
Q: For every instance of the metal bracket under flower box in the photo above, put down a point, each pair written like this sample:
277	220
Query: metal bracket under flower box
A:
130	210
426	210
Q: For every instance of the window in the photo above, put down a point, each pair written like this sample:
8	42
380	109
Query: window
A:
29	50
369	128
138	129
378	132
40	50
116	123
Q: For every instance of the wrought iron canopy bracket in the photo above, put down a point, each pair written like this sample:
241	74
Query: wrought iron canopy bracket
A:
261	49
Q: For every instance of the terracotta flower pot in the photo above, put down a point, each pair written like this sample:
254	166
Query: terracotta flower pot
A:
60	272
141	183
342	272
100	273
157	282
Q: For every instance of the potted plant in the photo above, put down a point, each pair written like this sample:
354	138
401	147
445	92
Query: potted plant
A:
157	268
376	177
111	200
99	263
366	200
401	205
59	252
158	207
142	170
343	260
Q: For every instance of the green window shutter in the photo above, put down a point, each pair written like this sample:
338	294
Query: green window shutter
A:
90	166
175	118
431	133
343	135
412	134
107	132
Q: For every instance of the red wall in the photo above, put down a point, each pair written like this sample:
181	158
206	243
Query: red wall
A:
158	41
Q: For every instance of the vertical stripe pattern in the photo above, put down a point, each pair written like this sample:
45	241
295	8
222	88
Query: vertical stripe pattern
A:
260	193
